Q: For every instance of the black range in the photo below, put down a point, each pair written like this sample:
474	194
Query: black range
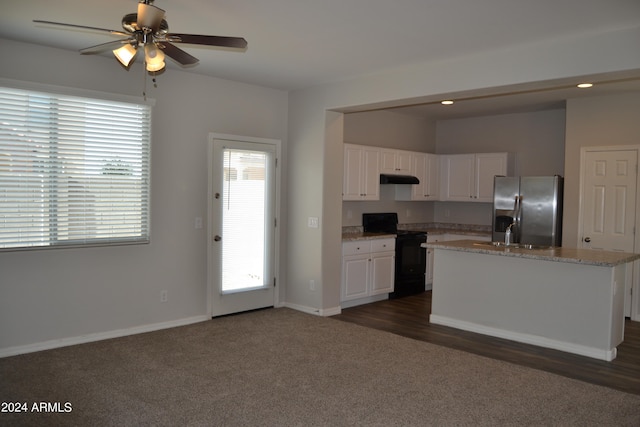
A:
410	263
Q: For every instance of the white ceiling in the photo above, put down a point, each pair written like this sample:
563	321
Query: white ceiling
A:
294	44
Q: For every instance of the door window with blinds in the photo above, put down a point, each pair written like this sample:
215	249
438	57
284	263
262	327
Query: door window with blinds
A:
73	171
245	219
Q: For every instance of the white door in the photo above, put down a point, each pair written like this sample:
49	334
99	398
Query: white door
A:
242	223
609	204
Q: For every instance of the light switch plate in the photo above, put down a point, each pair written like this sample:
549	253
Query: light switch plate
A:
312	222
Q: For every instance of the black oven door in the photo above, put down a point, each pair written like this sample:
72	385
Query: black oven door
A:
411	262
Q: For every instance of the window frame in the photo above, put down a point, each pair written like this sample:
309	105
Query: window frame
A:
143	183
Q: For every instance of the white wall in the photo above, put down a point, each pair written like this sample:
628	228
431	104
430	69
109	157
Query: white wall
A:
315	155
48	295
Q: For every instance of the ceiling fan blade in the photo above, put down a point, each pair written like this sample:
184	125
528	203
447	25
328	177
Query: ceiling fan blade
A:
149	16
84	27
235	42
177	54
105	46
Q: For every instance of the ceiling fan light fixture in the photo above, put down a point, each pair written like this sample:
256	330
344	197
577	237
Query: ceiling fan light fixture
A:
154	57
125	54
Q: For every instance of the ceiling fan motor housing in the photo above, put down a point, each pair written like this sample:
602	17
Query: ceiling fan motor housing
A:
130	24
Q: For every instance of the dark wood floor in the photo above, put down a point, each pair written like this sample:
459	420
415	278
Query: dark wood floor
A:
409	317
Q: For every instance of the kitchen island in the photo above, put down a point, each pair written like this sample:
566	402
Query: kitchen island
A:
561	298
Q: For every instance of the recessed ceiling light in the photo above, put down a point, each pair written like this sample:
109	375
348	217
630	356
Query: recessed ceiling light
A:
585	85
446	102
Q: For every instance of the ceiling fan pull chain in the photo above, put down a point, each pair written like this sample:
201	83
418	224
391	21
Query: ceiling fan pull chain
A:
144	82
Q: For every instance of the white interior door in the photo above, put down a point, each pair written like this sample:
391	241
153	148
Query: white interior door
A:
609	180
242	225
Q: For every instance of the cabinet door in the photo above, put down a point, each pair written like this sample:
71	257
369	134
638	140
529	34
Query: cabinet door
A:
361	178
486	167
403	162
352	178
395	162
388	161
458	177
355	276
370	174
382	272
419	170
429	272
432	177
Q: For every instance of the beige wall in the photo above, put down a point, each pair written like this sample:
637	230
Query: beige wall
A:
536	139
51	295
530	66
597	121
389	129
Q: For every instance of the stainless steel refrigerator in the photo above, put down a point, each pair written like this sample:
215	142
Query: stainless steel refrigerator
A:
530	207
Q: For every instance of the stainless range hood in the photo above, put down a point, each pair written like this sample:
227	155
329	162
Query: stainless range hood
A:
398	179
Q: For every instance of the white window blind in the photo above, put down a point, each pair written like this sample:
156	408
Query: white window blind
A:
73	171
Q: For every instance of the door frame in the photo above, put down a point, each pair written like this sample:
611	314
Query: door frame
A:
635	283
277	291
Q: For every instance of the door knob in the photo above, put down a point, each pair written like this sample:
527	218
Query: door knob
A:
587	239
217	238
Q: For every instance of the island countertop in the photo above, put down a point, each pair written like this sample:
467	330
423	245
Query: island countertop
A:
557	254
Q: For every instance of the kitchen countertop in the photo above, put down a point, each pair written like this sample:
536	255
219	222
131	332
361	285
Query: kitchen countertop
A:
557	254
366	236
440	231
356	233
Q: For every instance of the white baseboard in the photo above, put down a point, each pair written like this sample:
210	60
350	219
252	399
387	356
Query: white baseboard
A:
315	311
593	352
364	300
64	342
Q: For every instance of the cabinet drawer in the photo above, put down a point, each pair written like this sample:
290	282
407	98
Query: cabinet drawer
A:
383	245
356	247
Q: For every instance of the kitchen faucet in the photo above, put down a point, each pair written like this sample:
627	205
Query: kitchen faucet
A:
507	234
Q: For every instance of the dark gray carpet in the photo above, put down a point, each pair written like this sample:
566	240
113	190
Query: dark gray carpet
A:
280	367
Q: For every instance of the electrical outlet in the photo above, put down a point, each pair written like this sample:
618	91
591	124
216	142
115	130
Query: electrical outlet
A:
164	296
312	222
312	285
197	224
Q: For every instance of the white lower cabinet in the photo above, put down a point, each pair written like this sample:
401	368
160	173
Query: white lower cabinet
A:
368	268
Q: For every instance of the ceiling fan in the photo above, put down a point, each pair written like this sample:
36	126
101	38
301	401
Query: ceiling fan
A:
149	29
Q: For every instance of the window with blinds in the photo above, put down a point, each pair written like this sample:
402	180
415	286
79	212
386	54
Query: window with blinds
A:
73	171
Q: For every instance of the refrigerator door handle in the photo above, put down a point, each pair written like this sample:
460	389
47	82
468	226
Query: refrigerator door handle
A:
518	217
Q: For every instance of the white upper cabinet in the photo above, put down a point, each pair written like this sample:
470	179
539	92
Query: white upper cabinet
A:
425	167
445	177
395	162
469	177
361	180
